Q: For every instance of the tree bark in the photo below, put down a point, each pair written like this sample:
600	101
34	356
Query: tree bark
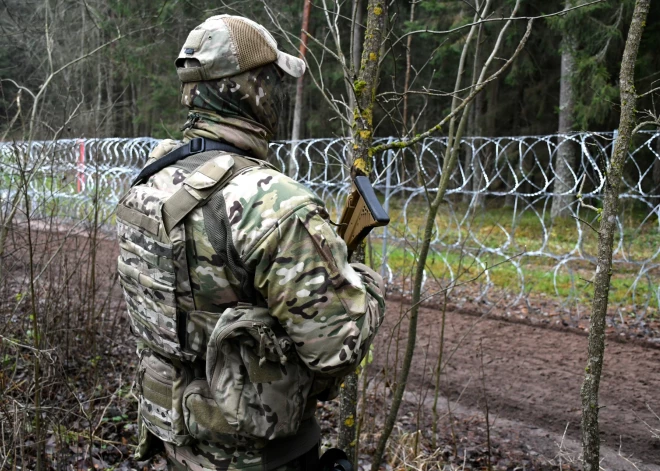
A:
298	108
297	111
365	87
486	159
348	417
469	154
655	172
406	85
566	152
608	224
99	91
110	86
358	6
356	53
475	120
365	97
480	160
134	108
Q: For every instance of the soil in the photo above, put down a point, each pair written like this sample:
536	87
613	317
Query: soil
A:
527	375
531	381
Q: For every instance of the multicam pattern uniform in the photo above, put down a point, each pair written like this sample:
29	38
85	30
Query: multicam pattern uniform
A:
330	309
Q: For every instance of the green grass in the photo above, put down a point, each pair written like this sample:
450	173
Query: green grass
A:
527	232
538	277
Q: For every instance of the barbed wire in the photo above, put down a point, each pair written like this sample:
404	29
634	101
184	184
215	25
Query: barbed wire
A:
497	207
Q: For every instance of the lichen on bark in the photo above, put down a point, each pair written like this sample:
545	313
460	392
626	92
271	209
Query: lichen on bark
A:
364	88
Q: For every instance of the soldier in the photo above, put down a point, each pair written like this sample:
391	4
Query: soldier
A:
238	288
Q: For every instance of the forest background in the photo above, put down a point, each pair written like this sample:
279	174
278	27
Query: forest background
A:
130	87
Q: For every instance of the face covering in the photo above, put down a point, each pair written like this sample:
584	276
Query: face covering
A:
243	109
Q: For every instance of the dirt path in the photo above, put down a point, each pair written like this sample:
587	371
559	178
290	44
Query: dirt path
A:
533	377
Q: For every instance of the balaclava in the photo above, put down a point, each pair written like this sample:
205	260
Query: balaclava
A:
231	72
242	109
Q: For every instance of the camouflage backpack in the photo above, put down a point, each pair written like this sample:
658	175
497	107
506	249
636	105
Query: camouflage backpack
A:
235	379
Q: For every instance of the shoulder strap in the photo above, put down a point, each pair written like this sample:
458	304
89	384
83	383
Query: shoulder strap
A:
208	178
194	146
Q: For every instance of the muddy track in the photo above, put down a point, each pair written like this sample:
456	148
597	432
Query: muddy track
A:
533	377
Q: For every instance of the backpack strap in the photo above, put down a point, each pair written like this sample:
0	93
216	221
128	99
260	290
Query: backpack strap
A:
200	185
194	146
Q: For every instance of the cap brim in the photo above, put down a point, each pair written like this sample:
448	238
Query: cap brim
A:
290	65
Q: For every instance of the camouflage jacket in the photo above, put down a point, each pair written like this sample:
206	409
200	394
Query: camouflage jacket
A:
329	308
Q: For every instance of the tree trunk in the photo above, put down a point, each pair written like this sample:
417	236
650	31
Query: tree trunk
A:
655	172
566	152
134	108
406	85
297	111
365	87
511	168
110	85
475	129
348	419
99	92
365	96
356	50
469	154
348	398
298	106
480	159
608	225
81	67
486	159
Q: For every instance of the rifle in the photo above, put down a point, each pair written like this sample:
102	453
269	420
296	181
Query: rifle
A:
362	212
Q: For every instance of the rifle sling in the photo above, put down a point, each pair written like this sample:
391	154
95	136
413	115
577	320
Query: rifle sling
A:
194	146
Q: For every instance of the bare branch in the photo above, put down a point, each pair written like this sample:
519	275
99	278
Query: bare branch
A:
588	224
492	20
459	108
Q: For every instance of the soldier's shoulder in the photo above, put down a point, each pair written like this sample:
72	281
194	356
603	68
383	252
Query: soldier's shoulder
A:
164	147
260	200
270	189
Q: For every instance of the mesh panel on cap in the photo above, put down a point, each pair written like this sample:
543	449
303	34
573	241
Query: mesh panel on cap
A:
252	48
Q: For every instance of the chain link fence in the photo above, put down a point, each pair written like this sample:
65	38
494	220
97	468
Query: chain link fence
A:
497	211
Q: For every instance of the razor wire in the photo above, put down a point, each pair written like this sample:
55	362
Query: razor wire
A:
497	207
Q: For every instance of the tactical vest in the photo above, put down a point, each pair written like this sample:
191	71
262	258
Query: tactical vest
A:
235	382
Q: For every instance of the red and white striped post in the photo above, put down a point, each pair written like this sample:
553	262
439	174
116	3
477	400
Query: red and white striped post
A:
80	177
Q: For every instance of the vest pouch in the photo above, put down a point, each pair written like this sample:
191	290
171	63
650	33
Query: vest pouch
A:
203	417
255	376
161	386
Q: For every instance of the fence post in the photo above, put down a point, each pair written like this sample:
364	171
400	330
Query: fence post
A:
386	206
80	177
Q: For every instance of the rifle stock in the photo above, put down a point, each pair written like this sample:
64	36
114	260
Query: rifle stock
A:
362	212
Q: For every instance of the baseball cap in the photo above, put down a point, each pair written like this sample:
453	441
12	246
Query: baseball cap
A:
226	45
